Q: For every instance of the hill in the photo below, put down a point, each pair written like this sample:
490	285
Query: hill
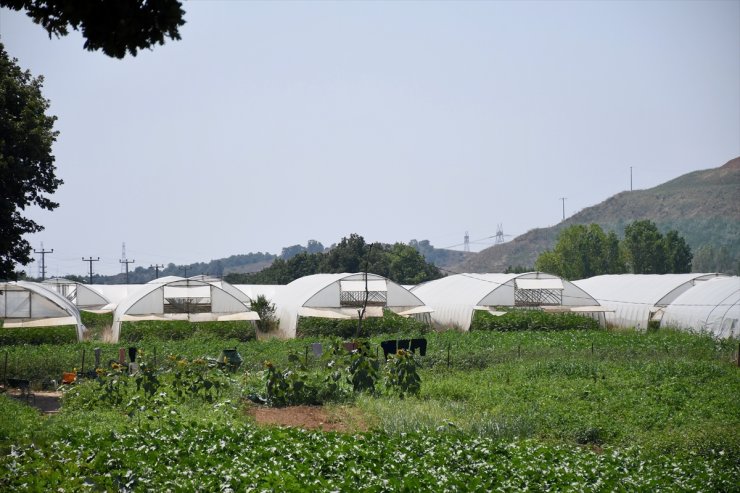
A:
703	206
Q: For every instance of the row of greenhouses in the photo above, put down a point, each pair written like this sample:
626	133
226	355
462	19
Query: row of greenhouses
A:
696	302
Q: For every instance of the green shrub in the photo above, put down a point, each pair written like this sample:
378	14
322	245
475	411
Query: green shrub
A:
96	324
402	377
38	335
175	330
523	320
389	323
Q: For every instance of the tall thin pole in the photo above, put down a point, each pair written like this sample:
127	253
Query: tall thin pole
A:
563	199
91	260
156	270
127	262
43	260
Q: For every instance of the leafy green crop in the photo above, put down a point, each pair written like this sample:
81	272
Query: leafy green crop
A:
389	323
521	320
38	335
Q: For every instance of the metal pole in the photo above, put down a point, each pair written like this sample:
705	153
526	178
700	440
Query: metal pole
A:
43	260
563	199
127	262
90	260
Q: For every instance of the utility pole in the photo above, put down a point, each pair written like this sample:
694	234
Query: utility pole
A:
127	262
43	260
185	275
156	270
563	199
91	260
466	242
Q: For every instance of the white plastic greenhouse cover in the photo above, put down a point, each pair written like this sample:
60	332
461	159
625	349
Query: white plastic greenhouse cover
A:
269	291
454	298
29	304
148	303
116	293
637	298
79	294
711	307
322	292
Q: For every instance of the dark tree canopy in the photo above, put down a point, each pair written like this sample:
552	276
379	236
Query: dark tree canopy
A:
26	162
398	262
116	27
585	251
582	251
645	248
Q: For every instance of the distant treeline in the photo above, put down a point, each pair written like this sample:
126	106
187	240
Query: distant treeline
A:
215	268
408	264
398	262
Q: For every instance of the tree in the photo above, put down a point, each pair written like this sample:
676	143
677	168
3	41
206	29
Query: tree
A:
645	248
678	253
116	27
27	171
581	251
266	311
314	246
408	266
291	251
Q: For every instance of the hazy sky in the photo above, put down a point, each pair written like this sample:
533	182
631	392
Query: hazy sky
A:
271	123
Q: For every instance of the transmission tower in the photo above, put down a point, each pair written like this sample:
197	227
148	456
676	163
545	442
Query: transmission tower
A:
500	236
466	242
124	261
123	256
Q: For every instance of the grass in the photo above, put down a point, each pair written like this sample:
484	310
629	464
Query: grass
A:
584	410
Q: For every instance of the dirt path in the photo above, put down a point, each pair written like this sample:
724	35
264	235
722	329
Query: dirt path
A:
309	417
46	402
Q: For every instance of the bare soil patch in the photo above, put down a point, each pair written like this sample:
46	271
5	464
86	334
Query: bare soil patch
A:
344	420
47	402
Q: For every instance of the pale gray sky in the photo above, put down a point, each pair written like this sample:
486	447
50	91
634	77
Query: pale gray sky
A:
271	123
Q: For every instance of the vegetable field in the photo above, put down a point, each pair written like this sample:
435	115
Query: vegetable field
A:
584	410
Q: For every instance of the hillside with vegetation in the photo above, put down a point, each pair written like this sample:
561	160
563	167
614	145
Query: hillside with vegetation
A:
702	206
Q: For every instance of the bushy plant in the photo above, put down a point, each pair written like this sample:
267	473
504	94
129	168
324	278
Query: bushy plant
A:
389	323
364	368
38	335
96	324
266	311
174	330
532	320
402	377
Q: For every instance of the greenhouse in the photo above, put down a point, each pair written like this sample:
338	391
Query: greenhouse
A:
341	296
710	307
174	298
29	304
639	300
454	298
81	295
